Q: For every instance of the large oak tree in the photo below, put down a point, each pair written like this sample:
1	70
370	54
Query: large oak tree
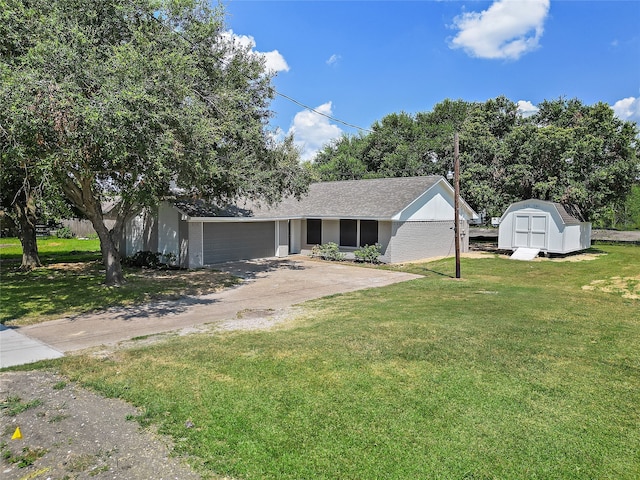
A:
132	97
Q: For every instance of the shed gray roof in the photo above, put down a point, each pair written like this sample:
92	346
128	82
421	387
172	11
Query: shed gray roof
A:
379	198
569	214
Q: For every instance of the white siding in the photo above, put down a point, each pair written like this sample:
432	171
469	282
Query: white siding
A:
196	258
331	231
135	235
168	230
282	238
522	225
384	237
435	204
296	227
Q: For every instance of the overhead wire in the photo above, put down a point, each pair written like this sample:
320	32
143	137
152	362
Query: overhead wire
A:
291	99
321	113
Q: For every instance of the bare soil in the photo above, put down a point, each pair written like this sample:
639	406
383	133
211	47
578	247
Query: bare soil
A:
69	432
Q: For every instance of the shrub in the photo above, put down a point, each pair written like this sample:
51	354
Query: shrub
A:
143	258
65	232
328	251
368	253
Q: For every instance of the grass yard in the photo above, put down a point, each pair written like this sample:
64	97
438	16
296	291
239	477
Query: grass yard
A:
520	370
71	282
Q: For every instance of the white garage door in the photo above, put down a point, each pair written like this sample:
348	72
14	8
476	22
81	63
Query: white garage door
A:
225	242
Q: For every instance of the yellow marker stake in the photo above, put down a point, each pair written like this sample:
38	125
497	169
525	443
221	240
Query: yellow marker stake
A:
17	435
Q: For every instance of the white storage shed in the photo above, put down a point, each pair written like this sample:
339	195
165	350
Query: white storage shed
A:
542	226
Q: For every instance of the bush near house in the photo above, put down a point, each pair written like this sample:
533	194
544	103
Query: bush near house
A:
368	253
331	251
328	251
148	259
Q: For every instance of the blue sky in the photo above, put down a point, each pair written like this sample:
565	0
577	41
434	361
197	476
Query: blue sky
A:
361	60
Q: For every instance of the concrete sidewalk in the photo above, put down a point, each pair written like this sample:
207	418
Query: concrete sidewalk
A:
269	285
18	349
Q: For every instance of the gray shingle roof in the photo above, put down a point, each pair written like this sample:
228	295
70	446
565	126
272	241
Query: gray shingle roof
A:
379	198
569	214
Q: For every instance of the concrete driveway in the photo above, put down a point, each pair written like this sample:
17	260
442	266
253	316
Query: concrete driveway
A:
269	288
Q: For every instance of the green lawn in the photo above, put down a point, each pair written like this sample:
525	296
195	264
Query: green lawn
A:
519	370
72	282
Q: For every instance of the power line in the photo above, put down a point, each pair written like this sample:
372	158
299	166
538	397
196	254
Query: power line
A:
291	99
321	113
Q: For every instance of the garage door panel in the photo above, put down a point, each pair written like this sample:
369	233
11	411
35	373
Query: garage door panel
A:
224	242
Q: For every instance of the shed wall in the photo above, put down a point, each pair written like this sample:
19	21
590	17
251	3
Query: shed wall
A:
559	238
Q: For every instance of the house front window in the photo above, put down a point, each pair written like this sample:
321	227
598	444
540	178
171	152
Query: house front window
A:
368	232
348	233
314	231
358	233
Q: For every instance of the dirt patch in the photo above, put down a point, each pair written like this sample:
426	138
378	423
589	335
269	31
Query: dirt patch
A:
71	433
628	287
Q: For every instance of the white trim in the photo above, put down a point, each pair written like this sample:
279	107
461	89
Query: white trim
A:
282	219
448	189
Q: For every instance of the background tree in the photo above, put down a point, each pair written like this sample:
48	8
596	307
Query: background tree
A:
136	95
573	153
568	152
23	176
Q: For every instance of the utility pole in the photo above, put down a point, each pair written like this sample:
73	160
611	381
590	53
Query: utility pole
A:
456	202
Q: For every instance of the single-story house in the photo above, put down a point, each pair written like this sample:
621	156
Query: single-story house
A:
545	226
410	218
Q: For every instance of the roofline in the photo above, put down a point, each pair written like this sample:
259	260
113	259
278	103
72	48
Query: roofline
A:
472	213
548	202
272	219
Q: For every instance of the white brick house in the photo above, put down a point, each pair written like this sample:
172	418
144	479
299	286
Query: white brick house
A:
411	218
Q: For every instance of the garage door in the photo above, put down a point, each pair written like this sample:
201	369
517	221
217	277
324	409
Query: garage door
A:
224	242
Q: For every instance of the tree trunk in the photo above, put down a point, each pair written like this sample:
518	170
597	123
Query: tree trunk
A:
25	214
110	254
84	198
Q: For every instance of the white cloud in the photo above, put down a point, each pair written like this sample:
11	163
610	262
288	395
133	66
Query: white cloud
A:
526	108
506	30
628	109
274	61
334	59
312	131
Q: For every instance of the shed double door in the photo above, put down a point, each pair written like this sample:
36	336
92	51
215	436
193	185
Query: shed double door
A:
530	231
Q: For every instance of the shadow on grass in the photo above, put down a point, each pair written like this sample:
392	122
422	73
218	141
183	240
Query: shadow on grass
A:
74	289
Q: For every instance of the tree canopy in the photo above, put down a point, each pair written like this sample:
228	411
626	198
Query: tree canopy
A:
123	99
567	152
